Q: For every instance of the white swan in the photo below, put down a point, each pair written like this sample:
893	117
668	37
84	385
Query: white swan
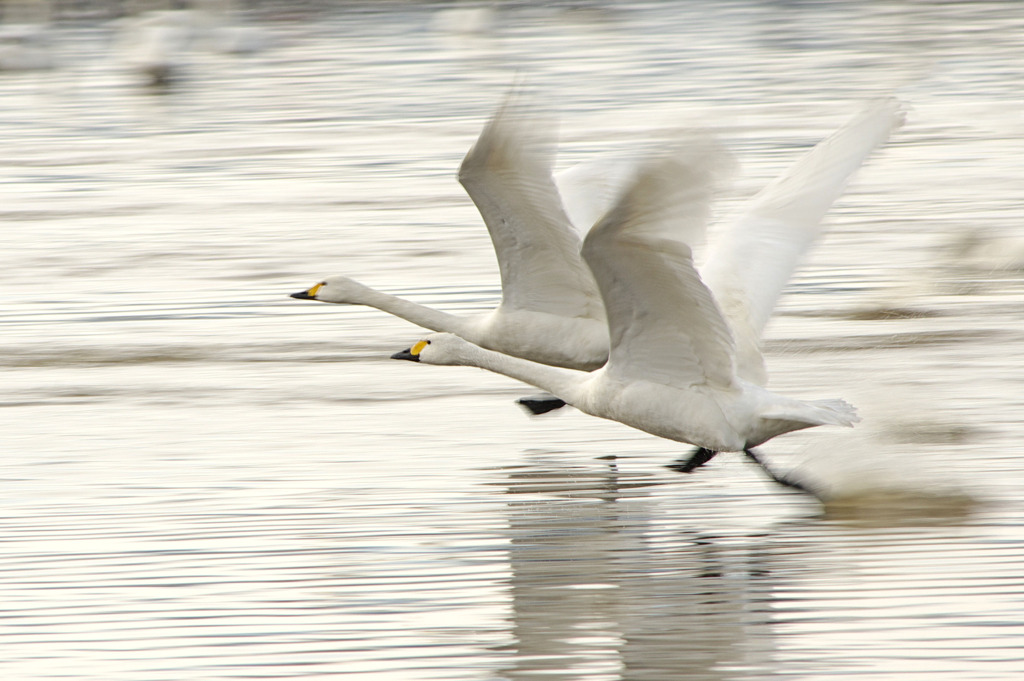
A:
672	369
550	311
156	45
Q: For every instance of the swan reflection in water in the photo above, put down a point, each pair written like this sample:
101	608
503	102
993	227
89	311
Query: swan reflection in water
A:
599	588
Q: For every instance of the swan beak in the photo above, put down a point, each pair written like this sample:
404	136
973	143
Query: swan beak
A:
406	354
412	354
307	295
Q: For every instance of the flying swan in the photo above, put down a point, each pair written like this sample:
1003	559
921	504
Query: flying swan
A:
673	368
551	312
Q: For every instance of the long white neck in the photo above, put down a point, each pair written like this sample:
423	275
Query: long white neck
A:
421	315
563	383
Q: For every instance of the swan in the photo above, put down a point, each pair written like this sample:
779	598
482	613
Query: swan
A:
550	311
156	45
673	367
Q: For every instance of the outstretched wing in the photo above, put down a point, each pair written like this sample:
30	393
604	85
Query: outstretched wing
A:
663	322
507	173
753	260
589	188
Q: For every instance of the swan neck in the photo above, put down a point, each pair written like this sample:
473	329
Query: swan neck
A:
555	380
421	315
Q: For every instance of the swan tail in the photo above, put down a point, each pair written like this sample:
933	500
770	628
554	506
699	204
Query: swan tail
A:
835	412
800	415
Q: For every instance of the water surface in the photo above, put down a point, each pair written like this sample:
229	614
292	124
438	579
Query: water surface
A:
203	478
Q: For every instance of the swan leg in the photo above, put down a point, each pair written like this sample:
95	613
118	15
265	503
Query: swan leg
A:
784	480
540	404
698	458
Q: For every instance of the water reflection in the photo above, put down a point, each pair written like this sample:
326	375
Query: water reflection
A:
603	585
599	591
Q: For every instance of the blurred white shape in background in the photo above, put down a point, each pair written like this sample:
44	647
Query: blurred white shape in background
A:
465	19
986	249
220	28
25	40
159	43
156	44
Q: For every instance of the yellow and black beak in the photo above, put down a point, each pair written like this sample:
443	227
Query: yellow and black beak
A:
308	295
412	354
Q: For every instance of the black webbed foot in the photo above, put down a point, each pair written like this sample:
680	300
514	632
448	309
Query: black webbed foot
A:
784	480
698	458
540	404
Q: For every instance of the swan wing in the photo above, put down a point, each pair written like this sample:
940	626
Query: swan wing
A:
663	322
752	261
507	173
589	188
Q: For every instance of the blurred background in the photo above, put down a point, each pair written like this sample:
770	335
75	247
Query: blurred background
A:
203	478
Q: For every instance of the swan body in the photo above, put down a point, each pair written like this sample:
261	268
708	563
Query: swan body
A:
672	366
718	418
551	310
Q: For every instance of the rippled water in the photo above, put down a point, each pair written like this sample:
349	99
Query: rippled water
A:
203	478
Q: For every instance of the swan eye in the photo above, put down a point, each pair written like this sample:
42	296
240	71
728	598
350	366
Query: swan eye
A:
418	348
312	292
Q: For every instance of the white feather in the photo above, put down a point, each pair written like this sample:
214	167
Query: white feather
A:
507	173
751	262
663	322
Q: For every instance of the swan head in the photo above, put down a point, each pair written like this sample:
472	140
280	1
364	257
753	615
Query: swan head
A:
437	348
333	289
